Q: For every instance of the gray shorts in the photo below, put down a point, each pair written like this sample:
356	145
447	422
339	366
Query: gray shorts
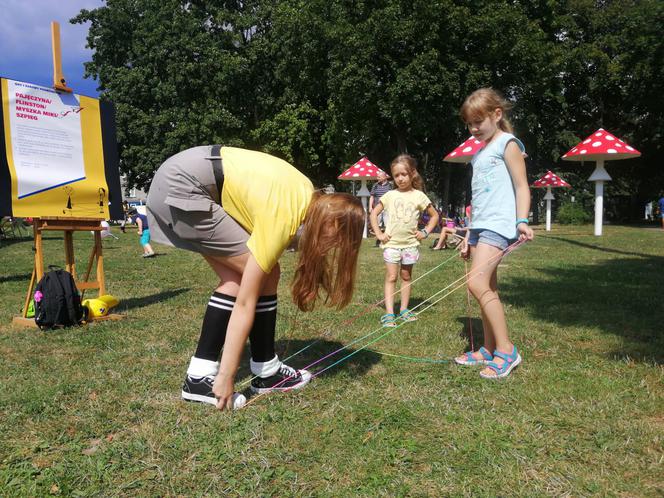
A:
183	212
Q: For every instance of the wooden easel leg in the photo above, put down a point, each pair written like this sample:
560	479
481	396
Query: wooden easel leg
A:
39	249
100	264
70	263
38	267
93	253
30	289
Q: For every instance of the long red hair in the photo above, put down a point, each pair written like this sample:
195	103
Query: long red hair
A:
328	250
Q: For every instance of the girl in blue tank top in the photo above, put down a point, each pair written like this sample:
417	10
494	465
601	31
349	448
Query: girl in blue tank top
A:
500	206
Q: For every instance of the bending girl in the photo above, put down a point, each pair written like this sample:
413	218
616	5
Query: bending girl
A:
239	209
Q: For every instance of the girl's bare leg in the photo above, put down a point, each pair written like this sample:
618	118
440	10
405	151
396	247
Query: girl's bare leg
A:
390	286
489	336
406	277
484	288
229	270
482	283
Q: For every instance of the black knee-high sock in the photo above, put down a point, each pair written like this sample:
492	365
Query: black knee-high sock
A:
215	323
262	333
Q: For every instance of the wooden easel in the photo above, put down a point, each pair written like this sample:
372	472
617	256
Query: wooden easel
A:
68	226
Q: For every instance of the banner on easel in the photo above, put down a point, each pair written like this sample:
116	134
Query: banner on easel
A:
58	155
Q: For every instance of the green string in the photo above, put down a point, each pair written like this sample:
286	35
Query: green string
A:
410	358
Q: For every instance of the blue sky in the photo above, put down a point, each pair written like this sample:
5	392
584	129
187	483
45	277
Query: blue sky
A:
25	42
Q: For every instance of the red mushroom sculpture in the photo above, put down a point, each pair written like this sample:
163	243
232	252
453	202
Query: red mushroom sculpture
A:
464	152
549	180
362	170
600	146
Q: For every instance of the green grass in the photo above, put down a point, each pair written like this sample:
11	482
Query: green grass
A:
95	411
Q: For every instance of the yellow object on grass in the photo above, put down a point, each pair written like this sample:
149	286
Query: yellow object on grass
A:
111	301
101	305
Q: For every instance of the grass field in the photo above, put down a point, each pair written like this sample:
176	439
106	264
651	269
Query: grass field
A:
95	411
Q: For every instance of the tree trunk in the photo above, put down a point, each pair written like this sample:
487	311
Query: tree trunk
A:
445	197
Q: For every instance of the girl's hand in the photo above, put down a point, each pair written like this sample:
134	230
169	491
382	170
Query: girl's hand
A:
464	249
525	232
383	237
419	235
223	391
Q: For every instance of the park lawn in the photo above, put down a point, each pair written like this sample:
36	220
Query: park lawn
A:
95	411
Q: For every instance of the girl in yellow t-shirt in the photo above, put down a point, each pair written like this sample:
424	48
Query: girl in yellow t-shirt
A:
240	209
401	238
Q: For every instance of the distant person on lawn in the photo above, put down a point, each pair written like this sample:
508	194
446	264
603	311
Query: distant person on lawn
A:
500	206
144	231
660	203
240	209
454	230
379	189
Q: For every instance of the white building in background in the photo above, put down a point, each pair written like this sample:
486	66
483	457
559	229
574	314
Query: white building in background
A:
134	196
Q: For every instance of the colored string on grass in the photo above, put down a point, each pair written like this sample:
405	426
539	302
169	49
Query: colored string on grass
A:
352	319
409	358
466	278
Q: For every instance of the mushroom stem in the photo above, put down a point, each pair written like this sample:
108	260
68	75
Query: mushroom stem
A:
599	176
364	195
549	197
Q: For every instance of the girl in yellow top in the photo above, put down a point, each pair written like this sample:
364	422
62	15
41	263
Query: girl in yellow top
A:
401	238
239	209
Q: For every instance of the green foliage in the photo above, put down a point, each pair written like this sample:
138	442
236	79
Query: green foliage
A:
320	82
292	134
572	213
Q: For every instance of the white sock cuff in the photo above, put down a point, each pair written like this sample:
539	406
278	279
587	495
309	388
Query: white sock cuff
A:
265	368
198	367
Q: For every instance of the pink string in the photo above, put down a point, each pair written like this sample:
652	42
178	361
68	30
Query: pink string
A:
505	251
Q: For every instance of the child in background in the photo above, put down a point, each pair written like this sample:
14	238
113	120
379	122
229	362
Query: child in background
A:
144	232
401	238
380	188
500	206
451	227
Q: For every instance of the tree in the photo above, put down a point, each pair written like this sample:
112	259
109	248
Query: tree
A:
319	82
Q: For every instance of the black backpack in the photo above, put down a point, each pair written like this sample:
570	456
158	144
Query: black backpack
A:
57	301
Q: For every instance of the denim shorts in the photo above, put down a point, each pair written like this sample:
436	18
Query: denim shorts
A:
406	256
488	237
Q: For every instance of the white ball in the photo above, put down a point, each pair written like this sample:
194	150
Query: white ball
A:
239	400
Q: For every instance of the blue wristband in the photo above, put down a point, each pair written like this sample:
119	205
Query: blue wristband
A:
521	220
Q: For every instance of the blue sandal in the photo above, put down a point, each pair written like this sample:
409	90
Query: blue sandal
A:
388	320
469	360
408	316
511	360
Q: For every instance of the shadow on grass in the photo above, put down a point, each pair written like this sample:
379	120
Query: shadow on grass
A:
307	352
15	278
596	247
471	328
139	302
622	297
13	240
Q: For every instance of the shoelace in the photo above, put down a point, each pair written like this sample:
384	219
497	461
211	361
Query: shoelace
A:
287	371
